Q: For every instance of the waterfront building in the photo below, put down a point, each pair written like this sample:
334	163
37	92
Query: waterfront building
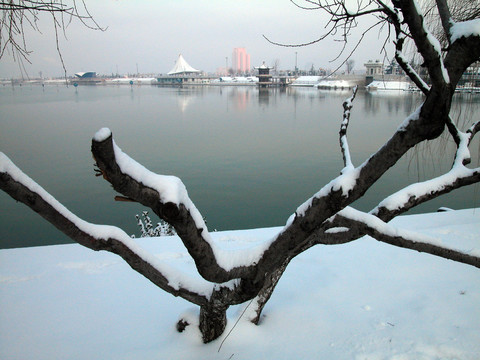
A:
182	73
374	68
86	75
264	76
182	67
89	77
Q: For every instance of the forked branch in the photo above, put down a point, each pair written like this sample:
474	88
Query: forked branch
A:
168	198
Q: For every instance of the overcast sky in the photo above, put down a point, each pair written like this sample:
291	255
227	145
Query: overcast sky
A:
149	34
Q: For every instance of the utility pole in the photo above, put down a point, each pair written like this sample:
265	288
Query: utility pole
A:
296	68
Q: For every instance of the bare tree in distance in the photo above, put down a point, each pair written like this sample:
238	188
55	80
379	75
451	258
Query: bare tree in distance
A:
276	65
18	15
324	219
350	64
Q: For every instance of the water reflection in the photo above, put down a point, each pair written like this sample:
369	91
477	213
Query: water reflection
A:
263	96
240	96
395	102
184	100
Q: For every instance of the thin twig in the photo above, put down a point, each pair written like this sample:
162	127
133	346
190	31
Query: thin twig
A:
236	322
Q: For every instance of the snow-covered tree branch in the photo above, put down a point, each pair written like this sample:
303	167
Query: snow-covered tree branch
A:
98	237
168	198
347	108
378	229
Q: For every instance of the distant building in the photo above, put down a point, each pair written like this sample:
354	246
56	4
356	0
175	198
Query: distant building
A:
181	67
374	68
322	72
240	60
471	76
181	73
86	75
264	77
394	69
86	78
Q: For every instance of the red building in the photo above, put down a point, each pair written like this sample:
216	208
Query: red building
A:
240	60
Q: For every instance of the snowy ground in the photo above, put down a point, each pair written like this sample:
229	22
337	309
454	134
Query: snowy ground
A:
364	300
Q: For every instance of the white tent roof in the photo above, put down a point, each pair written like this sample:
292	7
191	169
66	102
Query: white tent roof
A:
182	67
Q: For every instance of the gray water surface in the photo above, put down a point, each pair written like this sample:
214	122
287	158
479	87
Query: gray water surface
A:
248	158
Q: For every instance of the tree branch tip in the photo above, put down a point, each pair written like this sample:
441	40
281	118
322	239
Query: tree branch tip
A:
102	135
124	199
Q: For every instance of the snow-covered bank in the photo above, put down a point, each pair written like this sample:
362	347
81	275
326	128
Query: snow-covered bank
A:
363	300
379	85
130	81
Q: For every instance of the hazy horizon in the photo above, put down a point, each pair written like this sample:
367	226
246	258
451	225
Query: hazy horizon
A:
149	35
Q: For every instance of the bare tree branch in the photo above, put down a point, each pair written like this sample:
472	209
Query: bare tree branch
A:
18	15
341	20
315	7
445	16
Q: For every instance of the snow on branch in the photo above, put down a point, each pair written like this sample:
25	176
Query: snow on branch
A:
168	198
459	175
347	107
445	16
381	231
170	188
418	193
349	186
462	140
473	130
408	197
401	36
409	70
100	237
465	29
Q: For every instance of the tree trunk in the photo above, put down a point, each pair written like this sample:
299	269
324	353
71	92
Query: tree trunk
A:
213	320
213	314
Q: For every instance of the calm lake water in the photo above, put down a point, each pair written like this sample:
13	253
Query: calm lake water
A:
248	159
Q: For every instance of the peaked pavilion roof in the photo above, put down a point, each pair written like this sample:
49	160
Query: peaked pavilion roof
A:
182	67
